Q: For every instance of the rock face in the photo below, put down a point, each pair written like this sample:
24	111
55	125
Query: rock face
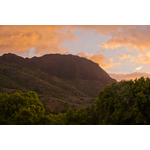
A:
63	66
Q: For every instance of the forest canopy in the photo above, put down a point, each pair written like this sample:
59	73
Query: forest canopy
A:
127	102
123	103
20	108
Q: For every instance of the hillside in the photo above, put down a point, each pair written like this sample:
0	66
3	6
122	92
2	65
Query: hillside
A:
61	81
63	66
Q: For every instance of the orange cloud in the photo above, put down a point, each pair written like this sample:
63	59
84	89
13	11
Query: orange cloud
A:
142	58
48	38
134	37
131	36
124	56
100	59
45	39
133	76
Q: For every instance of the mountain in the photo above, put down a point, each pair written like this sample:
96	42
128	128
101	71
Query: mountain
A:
61	81
63	66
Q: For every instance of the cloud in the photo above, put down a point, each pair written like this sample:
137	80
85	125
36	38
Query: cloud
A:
20	39
45	39
133	76
103	29
124	56
49	38
134	37
100	59
138	68
142	58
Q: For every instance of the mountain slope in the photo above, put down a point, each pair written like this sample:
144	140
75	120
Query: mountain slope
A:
63	66
61	81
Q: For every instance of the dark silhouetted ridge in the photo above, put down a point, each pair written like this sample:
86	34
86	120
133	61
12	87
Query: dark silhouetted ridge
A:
63	66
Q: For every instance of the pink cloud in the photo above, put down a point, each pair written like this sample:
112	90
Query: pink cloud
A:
124	56
133	76
100	59
134	37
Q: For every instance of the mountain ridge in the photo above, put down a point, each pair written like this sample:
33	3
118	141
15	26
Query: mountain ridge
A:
62	66
52	82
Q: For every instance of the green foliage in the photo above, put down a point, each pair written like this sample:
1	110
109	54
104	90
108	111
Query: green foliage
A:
20	108
51	119
93	118
70	117
127	102
58	119
25	109
80	117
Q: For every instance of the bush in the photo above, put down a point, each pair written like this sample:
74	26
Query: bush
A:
20	108
127	102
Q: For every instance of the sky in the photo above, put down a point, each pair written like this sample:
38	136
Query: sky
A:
121	40
123	51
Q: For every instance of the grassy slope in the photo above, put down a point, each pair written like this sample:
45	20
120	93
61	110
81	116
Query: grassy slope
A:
56	94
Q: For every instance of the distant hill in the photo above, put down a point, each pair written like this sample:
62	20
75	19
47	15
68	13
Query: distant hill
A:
61	81
63	66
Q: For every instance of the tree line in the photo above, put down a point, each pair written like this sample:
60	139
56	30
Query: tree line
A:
123	103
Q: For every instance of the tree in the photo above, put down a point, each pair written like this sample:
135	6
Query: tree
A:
70	117
126	102
81	117
20	108
58	119
93	119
